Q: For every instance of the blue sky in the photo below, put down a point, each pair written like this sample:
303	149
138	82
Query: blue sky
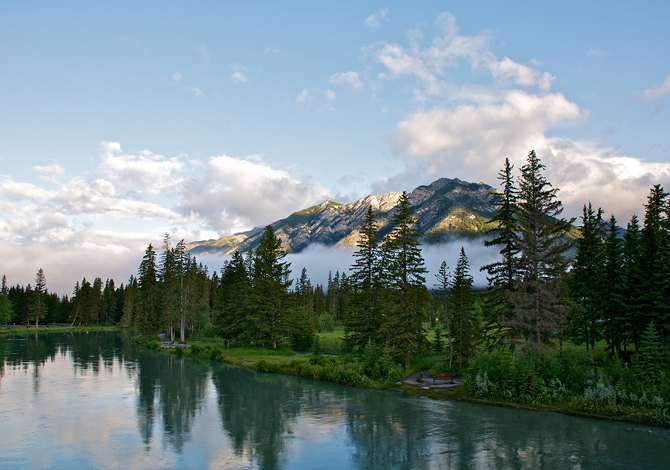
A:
120	121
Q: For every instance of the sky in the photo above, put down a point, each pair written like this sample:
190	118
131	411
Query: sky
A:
122	121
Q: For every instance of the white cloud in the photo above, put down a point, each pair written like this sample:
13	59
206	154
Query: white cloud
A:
656	92
428	64
316	101
177	77
145	171
472	142
197	92
238	194
349	79
49	172
374	21
238	78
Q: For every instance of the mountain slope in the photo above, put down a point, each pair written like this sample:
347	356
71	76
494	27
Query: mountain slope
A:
446	208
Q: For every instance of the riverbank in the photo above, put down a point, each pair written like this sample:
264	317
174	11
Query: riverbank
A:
347	370
47	328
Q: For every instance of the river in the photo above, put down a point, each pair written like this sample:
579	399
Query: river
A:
97	400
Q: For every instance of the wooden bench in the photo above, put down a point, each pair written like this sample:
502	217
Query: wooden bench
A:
449	377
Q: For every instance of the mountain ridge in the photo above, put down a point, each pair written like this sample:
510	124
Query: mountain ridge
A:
445	209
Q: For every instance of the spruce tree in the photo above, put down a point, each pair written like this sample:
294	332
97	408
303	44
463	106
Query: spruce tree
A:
462	304
146	317
442	288
633	283
586	280
362	326
540	239
270	283
402	329
612	290
38	306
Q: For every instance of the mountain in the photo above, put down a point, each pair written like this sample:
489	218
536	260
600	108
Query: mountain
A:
446	208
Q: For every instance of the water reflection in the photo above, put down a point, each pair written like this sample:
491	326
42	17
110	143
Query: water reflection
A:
85	400
257	410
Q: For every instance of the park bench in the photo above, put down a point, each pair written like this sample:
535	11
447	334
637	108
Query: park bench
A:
449	377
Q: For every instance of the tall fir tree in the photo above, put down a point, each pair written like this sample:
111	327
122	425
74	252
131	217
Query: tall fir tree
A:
442	289
38	307
402	329
146	316
613	293
633	283
462	307
540	239
586	280
362	326
270	283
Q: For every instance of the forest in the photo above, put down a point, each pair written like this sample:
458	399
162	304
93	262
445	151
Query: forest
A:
554	286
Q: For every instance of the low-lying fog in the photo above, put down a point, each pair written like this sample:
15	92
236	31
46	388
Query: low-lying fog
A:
319	260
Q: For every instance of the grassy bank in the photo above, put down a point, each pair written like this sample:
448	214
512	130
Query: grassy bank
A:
564	382
23	329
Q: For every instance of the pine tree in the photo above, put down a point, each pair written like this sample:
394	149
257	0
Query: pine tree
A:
146	316
442	288
540	239
504	274
633	283
462	304
169	277
586	280
38	307
612	287
404	272
270	283
363	324
233	320
656	260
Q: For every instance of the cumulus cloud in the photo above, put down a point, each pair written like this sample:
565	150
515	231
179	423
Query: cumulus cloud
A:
238	194
374	21
473	141
49	172
350	79
429	63
657	92
145	171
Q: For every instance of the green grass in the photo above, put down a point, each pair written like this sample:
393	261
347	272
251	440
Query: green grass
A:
56	329
331	341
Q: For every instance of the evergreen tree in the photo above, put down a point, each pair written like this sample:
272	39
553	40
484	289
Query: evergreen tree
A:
586	280
233	318
656	261
270	283
169	286
6	309
633	283
4	290
38	307
402	329
130	300
462	305
540	239
612	288
504	274
442	288
146	316
362	325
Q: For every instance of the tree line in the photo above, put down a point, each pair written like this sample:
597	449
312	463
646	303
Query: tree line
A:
553	282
